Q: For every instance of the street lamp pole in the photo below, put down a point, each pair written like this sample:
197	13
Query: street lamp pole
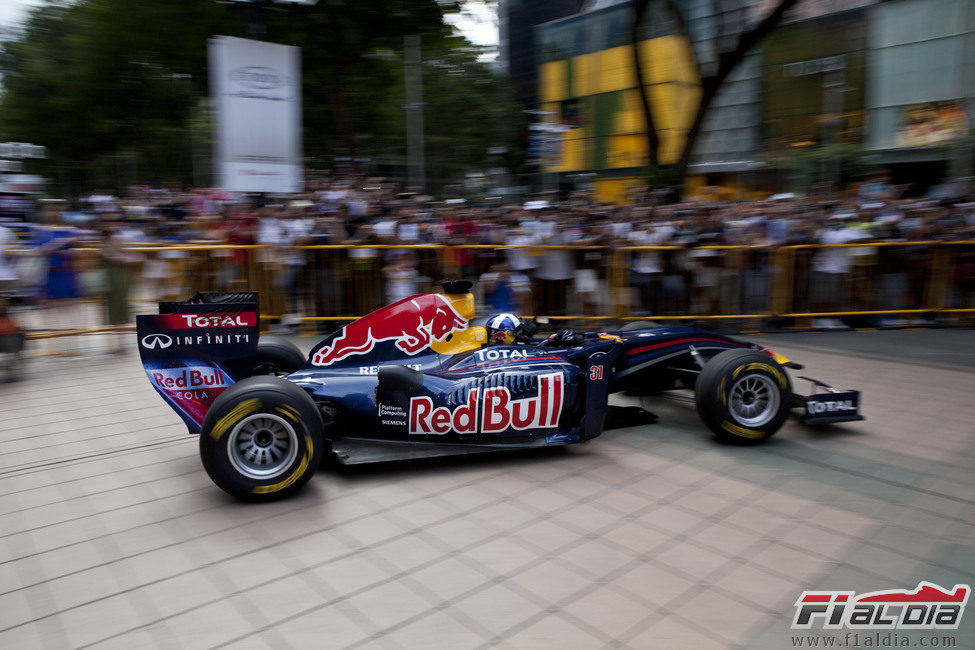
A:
416	163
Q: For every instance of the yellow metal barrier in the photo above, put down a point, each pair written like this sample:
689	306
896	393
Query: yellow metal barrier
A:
595	283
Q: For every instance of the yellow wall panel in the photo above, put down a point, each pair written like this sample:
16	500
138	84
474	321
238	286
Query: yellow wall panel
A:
577	154
613	79
662	99
614	190
627	151
629	71
630	119
666	59
616	65
616	57
671	141
673	89
551	81
581	76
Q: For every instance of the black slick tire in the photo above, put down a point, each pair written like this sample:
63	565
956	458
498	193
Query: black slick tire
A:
277	356
262	439
635	325
743	396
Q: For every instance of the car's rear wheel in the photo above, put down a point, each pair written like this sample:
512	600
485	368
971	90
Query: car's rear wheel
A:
277	356
743	396
635	325
262	439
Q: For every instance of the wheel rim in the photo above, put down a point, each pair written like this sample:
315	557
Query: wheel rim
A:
754	400
262	446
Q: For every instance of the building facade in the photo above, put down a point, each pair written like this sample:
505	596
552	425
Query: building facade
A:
921	95
891	82
517	20
587	84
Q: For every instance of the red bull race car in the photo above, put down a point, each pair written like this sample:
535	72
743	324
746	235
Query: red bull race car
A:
416	379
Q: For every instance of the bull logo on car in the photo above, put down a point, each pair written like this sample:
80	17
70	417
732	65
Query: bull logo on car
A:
413	323
156	341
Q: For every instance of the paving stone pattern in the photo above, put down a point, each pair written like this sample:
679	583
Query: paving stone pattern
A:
649	537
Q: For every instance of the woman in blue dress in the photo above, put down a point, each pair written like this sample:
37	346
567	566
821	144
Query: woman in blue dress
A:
59	290
54	242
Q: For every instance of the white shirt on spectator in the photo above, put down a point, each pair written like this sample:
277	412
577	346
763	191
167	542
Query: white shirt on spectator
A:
620	229
520	259
7	240
385	229
408	233
555	264
649	261
294	231
270	232
358	207
835	260
400	283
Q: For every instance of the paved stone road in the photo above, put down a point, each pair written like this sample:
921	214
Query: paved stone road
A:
650	537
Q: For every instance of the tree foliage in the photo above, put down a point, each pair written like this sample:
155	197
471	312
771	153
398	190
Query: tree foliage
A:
116	89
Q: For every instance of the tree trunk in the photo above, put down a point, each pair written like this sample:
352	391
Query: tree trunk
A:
343	119
653	138
728	61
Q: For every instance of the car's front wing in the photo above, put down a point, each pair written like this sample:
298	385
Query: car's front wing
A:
829	404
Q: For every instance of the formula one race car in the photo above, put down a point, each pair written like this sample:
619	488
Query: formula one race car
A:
416	379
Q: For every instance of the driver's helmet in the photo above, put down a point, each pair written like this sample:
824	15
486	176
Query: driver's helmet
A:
498	326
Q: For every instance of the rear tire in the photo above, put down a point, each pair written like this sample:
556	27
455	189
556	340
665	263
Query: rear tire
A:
262	439
277	356
635	325
743	396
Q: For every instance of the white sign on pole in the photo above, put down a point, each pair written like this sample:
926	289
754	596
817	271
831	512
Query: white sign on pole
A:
256	92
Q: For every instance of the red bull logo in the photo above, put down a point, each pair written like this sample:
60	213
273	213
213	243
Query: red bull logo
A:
413	323
189	378
190	389
495	413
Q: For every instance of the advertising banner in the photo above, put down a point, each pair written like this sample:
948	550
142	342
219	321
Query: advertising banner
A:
931	123
255	88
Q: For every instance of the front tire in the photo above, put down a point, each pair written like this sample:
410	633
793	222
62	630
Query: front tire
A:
743	396
262	439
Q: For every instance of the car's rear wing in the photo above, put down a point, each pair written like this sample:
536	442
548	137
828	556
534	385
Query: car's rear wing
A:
193	350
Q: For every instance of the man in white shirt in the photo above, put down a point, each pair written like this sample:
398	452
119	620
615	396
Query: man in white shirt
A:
521	260
8	277
647	267
297	228
555	266
830	271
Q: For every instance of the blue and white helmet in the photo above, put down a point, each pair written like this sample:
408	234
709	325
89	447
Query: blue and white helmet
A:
501	323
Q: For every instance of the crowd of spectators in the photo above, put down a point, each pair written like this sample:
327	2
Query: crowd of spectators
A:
691	275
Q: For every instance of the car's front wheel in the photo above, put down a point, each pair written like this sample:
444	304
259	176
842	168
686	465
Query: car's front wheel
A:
743	396
262	439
